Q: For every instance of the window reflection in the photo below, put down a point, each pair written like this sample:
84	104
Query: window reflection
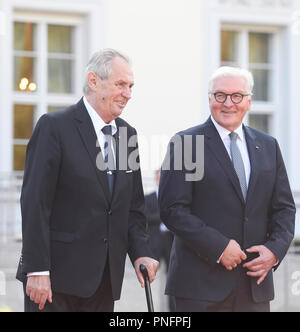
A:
24	74
24	36
53	108
60	59
260	64
23	121
59	76
259	46
60	39
262	85
23	127
229	46
19	157
260	122
24	57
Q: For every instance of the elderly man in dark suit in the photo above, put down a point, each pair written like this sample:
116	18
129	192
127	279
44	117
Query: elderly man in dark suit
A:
234	226
82	199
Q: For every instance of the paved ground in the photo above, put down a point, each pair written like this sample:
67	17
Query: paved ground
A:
287	285
133	296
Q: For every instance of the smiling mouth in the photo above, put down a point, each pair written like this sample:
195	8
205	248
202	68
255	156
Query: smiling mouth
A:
229	112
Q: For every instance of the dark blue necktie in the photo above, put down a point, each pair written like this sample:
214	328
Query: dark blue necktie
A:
109	157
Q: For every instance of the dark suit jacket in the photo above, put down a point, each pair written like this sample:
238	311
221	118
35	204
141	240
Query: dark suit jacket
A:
153	222
160	241
205	215
70	224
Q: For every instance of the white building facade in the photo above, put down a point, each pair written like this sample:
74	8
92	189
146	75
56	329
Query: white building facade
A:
175	45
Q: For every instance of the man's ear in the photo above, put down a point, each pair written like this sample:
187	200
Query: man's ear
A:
93	81
249	102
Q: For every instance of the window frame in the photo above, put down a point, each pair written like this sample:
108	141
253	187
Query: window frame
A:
270	107
42	99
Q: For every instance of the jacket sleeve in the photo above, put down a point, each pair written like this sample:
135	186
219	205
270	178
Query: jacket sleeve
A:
282	212
40	178
137	234
175	201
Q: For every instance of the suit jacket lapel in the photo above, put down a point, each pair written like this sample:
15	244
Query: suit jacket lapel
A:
89	138
254	150
214	142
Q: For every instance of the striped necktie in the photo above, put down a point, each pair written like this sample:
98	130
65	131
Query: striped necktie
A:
109	157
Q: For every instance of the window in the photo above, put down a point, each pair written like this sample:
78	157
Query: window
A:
253	48
52	108
229	48
23	127
260	64
47	62
60	59
25	57
259	121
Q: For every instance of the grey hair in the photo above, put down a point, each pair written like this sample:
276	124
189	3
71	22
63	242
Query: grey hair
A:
232	72
100	64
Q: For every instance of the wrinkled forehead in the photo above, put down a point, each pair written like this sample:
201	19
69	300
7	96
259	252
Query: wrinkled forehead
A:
230	84
121	68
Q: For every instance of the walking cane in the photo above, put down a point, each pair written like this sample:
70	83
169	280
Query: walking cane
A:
144	272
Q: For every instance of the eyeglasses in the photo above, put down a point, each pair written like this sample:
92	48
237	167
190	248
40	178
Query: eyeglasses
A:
236	98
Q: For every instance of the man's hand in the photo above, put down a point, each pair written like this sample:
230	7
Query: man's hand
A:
232	255
259	267
39	290
151	265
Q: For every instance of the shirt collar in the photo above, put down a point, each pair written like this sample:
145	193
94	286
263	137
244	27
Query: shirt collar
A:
97	120
224	133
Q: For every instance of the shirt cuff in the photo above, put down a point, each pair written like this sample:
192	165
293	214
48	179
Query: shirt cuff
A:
219	260
43	273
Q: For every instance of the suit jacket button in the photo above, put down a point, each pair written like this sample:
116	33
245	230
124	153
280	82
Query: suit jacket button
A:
109	212
105	241
246	219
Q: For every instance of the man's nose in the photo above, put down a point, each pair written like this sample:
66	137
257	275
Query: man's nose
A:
127	93
228	102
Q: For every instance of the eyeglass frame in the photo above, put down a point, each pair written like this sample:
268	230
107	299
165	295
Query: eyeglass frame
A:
230	94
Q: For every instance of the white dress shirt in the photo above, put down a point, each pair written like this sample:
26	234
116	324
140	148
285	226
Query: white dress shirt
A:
241	143
98	124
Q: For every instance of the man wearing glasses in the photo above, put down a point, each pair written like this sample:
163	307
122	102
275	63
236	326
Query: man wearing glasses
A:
233	227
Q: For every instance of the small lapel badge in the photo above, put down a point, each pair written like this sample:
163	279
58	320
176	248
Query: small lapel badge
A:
257	147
